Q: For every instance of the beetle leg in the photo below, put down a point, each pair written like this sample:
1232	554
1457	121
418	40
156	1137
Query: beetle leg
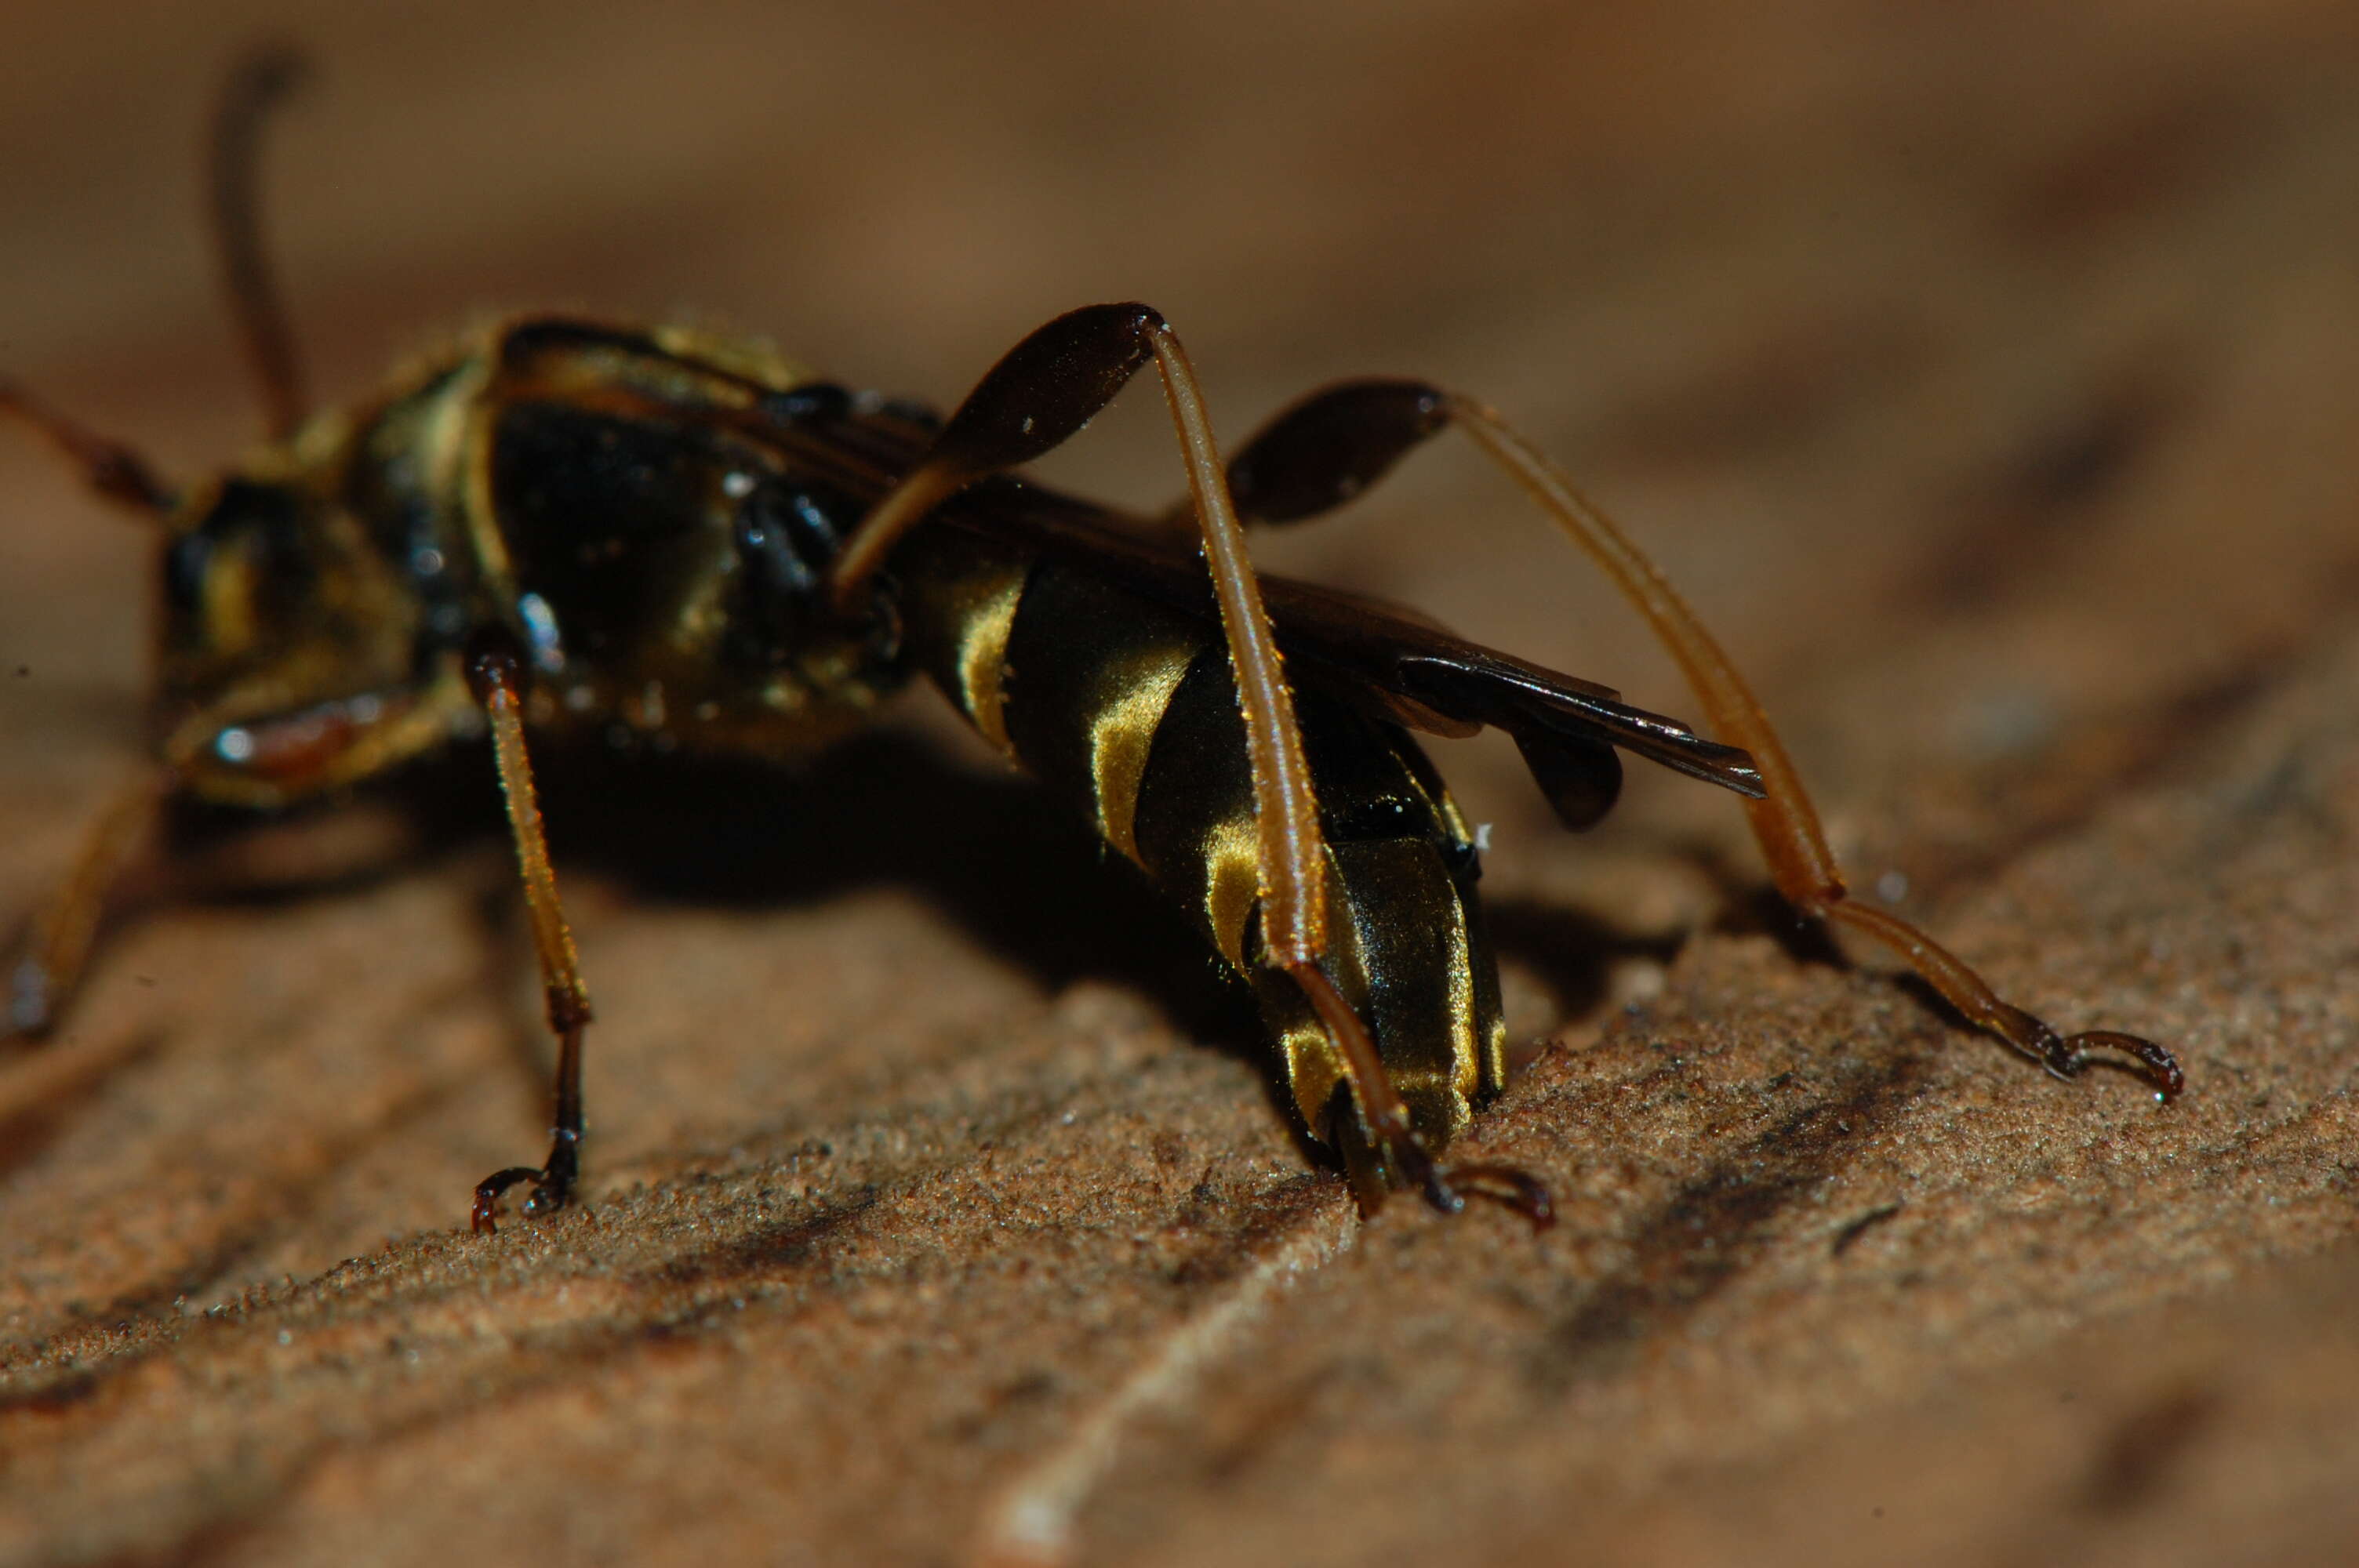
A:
1041	393
57	947
1785	823
495	674
1333	444
1518	1190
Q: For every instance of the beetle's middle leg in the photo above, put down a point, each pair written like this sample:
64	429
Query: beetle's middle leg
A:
1333	444
1040	394
495	674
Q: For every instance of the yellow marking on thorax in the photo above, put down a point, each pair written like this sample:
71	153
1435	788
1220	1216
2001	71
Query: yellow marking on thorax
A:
749	358
458	440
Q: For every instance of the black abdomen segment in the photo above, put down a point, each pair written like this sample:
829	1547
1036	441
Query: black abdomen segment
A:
1127	711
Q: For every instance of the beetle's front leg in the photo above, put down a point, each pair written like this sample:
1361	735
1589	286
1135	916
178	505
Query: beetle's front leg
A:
56	948
495	676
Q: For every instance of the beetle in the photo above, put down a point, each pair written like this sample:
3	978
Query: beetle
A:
571	526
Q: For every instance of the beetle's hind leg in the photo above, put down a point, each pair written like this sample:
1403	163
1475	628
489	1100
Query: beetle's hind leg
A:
495	674
1333	445
1785	823
1040	394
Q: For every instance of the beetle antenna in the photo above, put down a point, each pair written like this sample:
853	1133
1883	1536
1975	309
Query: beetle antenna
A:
257	86
108	467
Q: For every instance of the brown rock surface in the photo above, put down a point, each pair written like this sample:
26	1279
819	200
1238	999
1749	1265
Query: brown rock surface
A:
1984	373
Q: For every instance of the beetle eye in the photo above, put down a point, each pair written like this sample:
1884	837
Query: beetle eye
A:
185	559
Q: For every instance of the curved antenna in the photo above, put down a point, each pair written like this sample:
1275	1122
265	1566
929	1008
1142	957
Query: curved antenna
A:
257	86
115	470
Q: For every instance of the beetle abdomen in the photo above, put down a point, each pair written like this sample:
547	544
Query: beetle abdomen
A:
1127	709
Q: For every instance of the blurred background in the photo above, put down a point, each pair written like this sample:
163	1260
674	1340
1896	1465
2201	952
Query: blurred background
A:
1864	315
1982	372
1826	298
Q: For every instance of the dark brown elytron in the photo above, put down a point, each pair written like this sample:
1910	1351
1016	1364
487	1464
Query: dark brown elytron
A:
568	526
